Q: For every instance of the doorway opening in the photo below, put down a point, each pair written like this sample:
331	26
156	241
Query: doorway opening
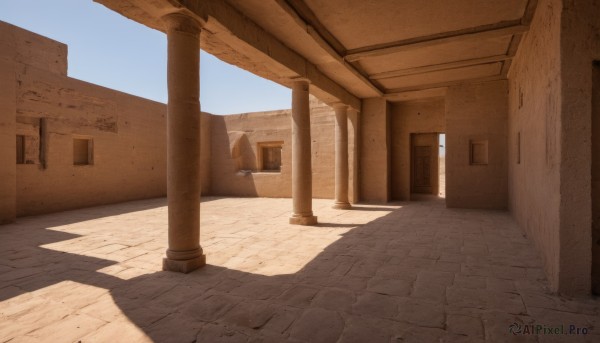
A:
596	178
427	166
442	165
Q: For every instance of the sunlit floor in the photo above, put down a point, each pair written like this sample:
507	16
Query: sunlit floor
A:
408	272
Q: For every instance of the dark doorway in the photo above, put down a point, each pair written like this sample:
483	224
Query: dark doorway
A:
424	163
596	178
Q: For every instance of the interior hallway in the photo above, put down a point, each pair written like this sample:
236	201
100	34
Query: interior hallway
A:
407	272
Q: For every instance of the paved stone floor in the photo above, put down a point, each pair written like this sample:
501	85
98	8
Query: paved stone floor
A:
409	272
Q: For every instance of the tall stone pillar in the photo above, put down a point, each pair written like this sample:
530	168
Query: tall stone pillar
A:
301	156
341	157
183	144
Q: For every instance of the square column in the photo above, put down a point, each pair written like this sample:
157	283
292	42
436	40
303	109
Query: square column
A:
183	144
341	157
301	156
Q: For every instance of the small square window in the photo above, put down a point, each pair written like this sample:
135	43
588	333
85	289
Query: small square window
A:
478	152
20	149
270	156
82	151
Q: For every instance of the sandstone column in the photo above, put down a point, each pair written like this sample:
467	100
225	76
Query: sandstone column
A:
341	157
183	144
301	156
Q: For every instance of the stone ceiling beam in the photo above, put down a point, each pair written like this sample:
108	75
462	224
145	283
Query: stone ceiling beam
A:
397	92
481	32
417	94
438	67
235	29
297	10
224	23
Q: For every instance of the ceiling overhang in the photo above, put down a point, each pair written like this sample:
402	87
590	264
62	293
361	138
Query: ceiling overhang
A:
354	49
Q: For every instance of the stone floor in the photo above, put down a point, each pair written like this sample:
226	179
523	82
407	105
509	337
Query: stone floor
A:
409	272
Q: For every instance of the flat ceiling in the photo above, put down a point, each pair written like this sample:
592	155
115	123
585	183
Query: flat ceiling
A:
398	45
353	49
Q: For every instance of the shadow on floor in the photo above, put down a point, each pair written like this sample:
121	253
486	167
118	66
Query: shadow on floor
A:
403	277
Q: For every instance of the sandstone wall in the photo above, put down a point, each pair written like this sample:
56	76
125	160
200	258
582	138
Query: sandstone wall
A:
235	143
50	110
25	47
420	116
534	135
128	138
580	46
375	141
8	176
476	114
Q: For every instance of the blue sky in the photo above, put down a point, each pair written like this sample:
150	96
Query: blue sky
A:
110	50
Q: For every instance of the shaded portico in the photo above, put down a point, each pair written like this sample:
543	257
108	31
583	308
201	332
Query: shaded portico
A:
475	56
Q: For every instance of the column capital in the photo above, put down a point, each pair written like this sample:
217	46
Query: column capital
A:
339	105
300	80
182	22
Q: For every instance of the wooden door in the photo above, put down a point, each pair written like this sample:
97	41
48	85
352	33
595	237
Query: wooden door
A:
424	166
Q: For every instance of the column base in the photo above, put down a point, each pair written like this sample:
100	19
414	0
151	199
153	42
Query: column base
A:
342	206
184	266
303	220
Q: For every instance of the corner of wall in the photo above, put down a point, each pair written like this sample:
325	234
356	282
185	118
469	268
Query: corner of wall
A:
579	47
8	167
205	153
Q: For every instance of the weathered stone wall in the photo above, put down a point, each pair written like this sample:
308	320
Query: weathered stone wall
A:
375	149
580	46
8	170
534	119
235	143
476	113
419	116
129	144
21	46
39	102
473	112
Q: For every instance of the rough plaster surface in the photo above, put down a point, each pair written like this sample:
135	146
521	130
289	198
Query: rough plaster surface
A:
421	116
476	112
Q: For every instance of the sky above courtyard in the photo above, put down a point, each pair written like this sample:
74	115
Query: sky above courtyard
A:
110	50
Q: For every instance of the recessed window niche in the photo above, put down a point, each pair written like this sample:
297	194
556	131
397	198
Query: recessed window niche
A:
20	149
269	156
478	152
83	151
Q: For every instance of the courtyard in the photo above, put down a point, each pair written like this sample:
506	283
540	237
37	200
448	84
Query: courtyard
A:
403	272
